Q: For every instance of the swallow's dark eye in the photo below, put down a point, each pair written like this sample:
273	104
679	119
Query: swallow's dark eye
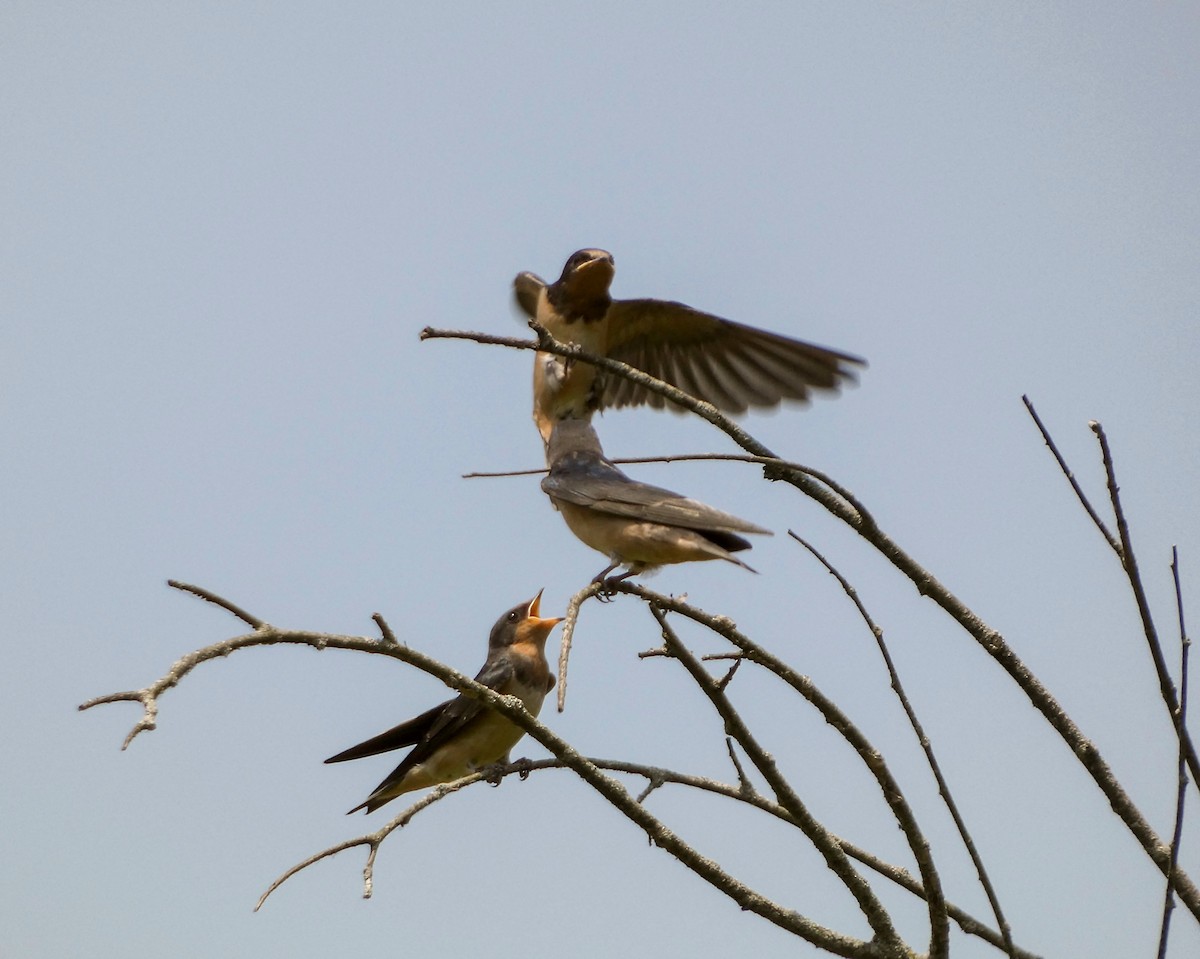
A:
513	616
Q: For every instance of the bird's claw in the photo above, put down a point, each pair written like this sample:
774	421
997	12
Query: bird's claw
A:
495	773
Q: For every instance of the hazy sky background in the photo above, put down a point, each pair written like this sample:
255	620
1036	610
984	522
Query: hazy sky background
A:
224	226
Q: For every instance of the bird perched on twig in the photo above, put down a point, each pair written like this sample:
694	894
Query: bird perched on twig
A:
634	524
462	735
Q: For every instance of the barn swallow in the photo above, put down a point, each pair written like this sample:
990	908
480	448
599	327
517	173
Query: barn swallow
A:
634	524
460	736
730	365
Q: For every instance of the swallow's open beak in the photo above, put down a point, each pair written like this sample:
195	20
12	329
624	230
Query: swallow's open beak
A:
535	608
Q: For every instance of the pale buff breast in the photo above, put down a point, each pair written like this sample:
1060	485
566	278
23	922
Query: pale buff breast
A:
488	741
562	387
637	543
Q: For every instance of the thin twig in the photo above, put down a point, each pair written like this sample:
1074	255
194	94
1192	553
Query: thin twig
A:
1066	470
1123	547
209	597
653	783
924	742
772	461
744	783
505	474
1166	686
724	681
568	635
385	631
1181	787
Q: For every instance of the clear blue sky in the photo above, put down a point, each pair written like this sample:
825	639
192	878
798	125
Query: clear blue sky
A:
224	226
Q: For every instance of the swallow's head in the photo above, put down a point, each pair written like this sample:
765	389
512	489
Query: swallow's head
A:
522	624
586	277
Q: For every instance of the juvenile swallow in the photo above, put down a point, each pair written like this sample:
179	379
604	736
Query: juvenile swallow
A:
461	736
634	524
730	365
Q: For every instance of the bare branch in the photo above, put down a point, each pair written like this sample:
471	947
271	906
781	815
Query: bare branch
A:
568	636
924	742
1129	562
209	597
769	461
871	758
504	474
265	635
374	839
148	697
656	652
1066	470
1181	787
512	709
835	858
653	782
724	681
747	794
746	787
385	631
653	774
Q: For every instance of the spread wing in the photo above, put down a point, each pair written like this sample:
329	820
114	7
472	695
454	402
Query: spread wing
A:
730	365
527	287
621	496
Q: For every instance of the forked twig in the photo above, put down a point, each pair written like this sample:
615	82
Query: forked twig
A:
1066	470
1122	545
835	858
924	742
1166	686
871	758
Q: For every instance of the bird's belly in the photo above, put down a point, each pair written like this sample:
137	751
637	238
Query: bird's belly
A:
635	543
587	335
488	741
563	387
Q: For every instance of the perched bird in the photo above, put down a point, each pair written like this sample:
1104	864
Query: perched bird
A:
634	524
462	735
730	365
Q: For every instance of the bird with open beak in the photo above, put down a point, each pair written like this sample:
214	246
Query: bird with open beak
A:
462	735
